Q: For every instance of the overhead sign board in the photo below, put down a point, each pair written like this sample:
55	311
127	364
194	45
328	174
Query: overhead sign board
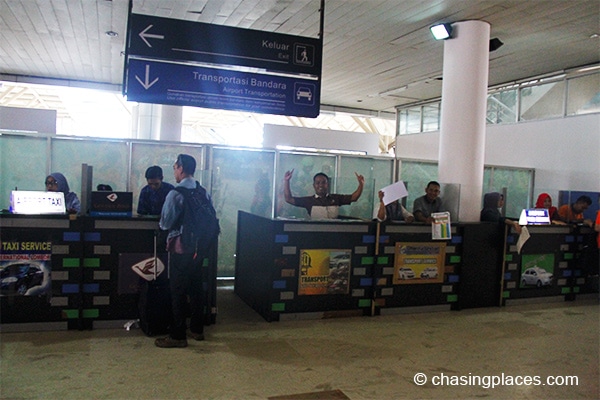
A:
200	86
188	41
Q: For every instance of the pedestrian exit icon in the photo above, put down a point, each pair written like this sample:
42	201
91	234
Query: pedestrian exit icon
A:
304	54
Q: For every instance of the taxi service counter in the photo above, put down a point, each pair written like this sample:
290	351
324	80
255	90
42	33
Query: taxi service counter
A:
80	273
557	260
294	269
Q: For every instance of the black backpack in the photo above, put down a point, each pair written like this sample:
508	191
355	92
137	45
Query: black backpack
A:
200	226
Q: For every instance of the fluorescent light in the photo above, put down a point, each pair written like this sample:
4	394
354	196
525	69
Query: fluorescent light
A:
441	31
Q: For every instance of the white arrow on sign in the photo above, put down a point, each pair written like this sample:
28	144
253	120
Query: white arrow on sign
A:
145	35
146	84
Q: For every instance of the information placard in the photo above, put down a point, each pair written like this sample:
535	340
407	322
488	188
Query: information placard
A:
188	85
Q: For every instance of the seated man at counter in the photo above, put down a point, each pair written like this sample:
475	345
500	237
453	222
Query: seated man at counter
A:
153	195
322	205
394	211
573	213
56	182
428	204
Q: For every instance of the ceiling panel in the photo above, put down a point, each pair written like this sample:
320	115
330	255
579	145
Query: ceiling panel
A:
372	48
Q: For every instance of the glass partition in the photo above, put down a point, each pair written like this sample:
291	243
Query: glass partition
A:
109	159
241	180
560	198
305	166
378	173
416	175
144	155
515	184
19	171
572	196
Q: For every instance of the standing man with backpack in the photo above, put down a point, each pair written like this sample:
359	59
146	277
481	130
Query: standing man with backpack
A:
186	253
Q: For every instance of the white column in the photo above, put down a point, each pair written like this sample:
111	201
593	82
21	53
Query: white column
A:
148	121
171	121
463	113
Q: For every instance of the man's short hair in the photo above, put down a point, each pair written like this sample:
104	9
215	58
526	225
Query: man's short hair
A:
321	174
433	183
187	163
585	199
154	172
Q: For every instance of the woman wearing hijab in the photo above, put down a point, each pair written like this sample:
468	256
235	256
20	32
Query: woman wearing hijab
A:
56	182
545	201
491	203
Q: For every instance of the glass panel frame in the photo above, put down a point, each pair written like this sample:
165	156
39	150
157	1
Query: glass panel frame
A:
109	161
583	94
242	179
542	101
305	166
144	155
502	107
431	117
378	173
18	173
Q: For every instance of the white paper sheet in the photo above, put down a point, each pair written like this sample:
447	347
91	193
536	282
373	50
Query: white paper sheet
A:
523	237
394	192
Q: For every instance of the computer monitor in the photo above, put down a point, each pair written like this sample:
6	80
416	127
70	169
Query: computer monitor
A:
111	204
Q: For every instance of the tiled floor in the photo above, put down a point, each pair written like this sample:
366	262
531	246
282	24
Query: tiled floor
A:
245	357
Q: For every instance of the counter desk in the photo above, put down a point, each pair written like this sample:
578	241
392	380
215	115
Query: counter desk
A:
292	269
557	261
81	273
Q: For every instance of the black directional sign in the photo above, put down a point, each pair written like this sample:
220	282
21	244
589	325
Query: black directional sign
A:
161	82
178	40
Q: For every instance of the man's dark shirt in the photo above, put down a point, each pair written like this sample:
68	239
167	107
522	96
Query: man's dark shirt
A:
151	201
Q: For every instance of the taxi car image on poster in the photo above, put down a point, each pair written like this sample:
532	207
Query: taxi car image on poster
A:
537	271
324	271
419	263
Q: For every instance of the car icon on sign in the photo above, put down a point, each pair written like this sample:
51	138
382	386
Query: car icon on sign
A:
406	273
429	273
304	92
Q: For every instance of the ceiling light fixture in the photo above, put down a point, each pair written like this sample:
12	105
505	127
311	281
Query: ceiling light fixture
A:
441	31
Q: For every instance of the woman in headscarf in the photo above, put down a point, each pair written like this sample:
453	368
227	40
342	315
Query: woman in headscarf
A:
545	201
56	182
491	203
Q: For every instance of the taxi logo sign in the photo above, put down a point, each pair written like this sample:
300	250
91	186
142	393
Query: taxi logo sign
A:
112	197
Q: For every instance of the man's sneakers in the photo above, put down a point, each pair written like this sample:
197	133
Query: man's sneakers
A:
168	342
196	336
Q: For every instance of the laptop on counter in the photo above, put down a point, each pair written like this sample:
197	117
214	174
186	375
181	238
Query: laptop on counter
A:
111	204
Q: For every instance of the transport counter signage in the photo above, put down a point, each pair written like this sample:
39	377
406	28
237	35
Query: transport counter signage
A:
25	268
324	271
198	86
419	263
189	41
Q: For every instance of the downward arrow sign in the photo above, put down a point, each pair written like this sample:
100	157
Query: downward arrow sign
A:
146	84
145	35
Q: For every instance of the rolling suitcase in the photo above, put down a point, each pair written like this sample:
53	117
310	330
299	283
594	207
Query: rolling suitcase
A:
155	301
